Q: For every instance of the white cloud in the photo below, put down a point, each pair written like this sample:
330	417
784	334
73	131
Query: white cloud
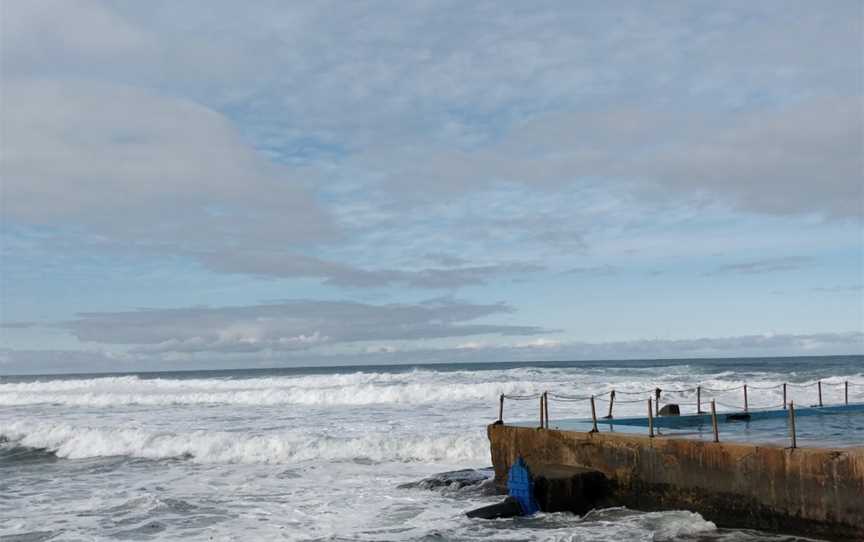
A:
35	361
58	34
287	326
133	165
800	158
767	265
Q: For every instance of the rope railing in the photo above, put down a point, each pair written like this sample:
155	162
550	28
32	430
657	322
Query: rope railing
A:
774	387
522	397
622	392
723	390
654	398
563	397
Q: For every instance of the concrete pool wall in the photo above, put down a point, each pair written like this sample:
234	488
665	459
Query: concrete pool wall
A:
811	491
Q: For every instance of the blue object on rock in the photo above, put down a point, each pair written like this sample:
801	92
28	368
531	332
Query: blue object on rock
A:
520	486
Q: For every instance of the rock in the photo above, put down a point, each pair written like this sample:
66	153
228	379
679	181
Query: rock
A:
507	508
670	410
456	479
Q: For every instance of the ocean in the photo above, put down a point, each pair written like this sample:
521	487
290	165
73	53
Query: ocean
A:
325	453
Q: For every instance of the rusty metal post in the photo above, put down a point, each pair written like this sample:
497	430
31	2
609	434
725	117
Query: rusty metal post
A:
714	422
784	396
594	416
611	402
846	391
650	419
792	423
746	406
819	384
698	399
501	408
657	402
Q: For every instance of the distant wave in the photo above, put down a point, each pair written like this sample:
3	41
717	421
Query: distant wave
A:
78	442
416	387
345	395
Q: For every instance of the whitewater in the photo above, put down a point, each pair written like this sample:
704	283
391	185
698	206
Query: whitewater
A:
324	453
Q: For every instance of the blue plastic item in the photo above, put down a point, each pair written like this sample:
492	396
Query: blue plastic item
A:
520	486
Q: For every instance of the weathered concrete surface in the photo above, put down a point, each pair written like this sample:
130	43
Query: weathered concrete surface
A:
812	491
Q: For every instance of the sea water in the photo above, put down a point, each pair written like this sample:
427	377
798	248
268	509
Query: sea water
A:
324	453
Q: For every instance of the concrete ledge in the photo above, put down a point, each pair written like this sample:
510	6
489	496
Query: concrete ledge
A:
812	491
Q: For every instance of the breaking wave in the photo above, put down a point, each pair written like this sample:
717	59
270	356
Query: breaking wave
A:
76	442
348	395
414	387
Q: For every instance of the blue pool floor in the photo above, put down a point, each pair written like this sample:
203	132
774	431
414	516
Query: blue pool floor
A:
830	426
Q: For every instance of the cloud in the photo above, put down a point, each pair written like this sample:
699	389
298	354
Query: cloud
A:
287	264
593	271
168	176
59	361
729	103
14	361
849	288
803	157
18	325
70	33
406	104
288	326
137	166
770	265
447	260
848	343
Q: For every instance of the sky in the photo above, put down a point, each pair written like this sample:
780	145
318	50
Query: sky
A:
224	184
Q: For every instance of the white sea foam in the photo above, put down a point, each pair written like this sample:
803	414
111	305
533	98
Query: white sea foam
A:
76	442
415	387
317	456
362	394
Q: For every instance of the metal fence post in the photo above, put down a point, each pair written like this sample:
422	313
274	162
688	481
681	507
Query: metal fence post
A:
611	402
846	392
542	412
657	402
593	416
745	398
784	396
501	408
820	392
546	407
698	399
714	422
650	419
792	423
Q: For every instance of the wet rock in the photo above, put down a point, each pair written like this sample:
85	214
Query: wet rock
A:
456	479
507	508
